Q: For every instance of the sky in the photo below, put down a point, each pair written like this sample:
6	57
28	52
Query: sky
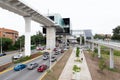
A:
101	16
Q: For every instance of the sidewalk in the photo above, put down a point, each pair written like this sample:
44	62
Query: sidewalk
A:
67	73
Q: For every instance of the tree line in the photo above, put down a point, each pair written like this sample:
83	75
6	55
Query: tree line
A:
7	44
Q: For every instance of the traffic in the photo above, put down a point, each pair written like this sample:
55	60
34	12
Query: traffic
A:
34	69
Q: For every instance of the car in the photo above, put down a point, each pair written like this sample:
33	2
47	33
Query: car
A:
2	54
56	53
53	59
62	51
32	66
19	67
42	68
45	57
45	53
15	57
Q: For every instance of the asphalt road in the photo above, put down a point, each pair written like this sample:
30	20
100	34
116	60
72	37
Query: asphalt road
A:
26	74
6	59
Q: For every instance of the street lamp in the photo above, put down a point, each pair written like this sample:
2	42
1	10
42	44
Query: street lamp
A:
1	41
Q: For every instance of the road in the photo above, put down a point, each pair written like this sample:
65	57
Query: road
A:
26	74
7	59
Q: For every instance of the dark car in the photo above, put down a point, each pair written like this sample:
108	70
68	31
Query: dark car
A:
45	53
19	67
56	53
53	59
42	68
3	54
32	66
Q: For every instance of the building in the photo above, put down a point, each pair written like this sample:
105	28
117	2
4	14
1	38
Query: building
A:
8	33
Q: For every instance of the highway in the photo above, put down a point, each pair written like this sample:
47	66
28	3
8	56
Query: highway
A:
26	74
7	58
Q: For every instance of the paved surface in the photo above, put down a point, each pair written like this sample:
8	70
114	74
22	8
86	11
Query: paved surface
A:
8	58
67	73
26	74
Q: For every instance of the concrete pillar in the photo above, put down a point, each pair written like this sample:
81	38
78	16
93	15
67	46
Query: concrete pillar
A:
80	40
51	37
65	39
27	36
92	46
111	59
99	51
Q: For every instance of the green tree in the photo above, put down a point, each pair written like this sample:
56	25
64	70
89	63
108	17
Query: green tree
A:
97	36
116	33
20	42
6	43
38	39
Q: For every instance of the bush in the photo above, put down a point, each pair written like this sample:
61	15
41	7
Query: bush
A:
76	68
116	52
102	64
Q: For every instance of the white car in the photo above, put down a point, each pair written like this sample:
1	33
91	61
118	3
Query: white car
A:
17	56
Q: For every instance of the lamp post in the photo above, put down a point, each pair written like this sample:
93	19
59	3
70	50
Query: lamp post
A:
1	40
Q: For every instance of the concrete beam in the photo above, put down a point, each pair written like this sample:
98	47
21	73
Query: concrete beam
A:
27	36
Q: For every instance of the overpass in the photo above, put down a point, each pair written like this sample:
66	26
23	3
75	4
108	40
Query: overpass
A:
109	44
29	14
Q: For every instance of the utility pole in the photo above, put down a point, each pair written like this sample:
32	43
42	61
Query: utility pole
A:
1	39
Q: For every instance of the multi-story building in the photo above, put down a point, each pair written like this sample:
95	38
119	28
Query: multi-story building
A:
8	33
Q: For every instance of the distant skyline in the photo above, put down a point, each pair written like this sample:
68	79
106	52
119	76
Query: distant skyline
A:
101	16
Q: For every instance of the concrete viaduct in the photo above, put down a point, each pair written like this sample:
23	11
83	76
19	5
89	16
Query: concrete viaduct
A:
110	45
29	14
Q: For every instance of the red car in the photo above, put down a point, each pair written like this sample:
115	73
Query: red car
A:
42	68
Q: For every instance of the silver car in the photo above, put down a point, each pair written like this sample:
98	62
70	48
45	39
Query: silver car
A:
32	66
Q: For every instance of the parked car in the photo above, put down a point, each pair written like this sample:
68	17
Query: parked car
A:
19	67
42	68
32	66
2	54
53	59
15	57
45	57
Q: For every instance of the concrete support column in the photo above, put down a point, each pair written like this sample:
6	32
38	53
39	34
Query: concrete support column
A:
51	37
65	39
92	46
27	36
111	59
99	51
80	40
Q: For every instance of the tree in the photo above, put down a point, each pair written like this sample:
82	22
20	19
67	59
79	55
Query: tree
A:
97	36
20	42
116	33
38	39
6	43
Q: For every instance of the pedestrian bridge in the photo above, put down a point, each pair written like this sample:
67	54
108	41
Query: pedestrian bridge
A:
110	44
